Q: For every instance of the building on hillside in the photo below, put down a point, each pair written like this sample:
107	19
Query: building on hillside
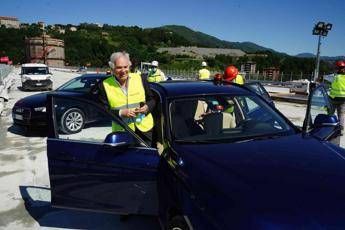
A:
41	25
198	52
271	73
46	50
62	31
24	25
257	55
9	22
249	67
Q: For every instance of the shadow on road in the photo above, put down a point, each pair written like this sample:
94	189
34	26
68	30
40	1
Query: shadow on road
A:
25	131
37	204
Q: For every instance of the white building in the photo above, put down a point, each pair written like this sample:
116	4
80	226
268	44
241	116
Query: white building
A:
9	22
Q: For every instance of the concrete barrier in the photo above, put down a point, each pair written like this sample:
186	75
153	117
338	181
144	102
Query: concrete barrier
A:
6	81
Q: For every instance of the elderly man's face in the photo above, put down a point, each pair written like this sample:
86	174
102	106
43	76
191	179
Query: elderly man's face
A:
121	68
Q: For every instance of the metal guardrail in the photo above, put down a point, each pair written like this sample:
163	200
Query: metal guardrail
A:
280	78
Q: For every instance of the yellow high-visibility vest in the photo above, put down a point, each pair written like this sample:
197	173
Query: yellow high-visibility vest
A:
239	79
157	76
117	99
204	74
338	86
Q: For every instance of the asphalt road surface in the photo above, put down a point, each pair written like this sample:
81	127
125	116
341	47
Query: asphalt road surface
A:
24	190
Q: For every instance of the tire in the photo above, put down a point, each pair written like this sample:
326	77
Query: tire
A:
72	121
177	223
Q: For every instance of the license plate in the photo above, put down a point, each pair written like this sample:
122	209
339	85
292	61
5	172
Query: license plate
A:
38	84
18	116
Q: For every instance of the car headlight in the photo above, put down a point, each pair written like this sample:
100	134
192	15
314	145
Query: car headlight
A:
48	77
24	79
40	109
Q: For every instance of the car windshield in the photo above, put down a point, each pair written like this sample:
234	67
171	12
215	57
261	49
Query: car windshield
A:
80	84
220	118
258	89
35	70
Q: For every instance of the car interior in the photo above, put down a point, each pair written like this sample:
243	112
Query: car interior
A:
211	117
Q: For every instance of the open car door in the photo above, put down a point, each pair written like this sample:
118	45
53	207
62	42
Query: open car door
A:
96	169
320	120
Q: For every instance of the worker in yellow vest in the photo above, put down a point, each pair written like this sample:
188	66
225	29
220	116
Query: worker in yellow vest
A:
337	92
155	74
128	95
231	74
204	74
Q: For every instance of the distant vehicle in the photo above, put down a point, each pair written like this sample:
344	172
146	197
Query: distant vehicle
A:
5	60
300	87
36	76
222	158
31	111
82	69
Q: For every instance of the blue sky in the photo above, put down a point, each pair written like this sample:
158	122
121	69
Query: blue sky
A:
285	26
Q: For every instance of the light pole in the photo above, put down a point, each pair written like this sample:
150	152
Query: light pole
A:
320	29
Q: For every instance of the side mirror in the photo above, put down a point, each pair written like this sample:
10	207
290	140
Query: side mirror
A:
322	120
326	127
119	139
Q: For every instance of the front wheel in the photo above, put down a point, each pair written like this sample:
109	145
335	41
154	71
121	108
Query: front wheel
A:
72	121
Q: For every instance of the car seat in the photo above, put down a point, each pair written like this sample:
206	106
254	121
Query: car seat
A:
183	114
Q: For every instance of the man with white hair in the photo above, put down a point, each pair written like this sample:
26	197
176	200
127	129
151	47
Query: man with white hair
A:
204	74
155	74
128	95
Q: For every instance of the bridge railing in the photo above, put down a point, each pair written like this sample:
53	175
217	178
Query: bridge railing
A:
280	78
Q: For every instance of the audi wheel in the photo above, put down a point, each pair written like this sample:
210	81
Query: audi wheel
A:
72	121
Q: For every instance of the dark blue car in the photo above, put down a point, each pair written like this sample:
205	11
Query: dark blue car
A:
221	157
30	111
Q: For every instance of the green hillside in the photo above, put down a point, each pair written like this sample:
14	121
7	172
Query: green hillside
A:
204	40
89	44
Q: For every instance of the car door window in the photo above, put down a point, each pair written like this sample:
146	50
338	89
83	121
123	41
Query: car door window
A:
320	104
77	84
80	120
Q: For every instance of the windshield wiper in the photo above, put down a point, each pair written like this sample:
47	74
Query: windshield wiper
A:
264	137
199	141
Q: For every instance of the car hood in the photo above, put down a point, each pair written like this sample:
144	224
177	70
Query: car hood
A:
39	100
291	181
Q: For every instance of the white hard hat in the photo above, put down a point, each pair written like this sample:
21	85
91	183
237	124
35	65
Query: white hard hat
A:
203	63
154	63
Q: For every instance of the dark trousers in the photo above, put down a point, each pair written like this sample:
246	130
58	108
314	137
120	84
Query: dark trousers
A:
339	104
